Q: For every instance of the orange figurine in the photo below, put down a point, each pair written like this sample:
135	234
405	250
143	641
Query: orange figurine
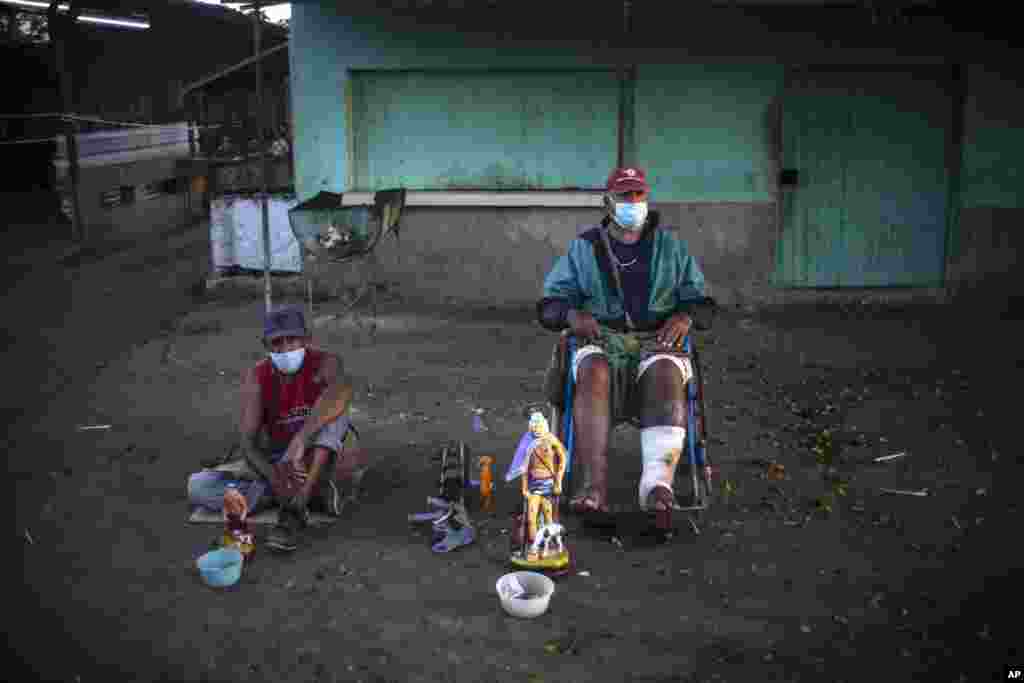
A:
486	483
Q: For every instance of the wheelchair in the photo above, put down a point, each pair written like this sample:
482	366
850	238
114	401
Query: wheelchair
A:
696	475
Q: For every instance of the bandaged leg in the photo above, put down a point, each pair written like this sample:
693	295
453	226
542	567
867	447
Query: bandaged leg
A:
661	449
662	380
682	364
581	355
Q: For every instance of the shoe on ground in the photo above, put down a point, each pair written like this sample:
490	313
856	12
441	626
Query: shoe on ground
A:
284	536
327	499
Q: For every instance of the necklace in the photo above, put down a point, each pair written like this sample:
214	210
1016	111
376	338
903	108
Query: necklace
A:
619	262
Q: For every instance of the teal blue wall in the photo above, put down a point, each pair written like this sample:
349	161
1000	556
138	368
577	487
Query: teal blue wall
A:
985	240
703	110
871	150
318	105
483	129
327	47
350	125
704	131
993	143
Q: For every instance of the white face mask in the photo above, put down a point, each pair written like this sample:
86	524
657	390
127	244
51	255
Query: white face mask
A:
288	362
631	215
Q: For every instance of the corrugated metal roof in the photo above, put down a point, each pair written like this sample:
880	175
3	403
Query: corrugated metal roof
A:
210	80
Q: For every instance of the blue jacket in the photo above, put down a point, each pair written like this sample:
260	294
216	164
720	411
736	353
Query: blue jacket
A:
582	279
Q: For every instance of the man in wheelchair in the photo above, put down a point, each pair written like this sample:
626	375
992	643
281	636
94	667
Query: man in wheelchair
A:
626	291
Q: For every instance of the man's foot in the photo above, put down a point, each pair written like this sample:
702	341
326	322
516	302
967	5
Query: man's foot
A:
661	502
591	506
588	502
660	498
284	536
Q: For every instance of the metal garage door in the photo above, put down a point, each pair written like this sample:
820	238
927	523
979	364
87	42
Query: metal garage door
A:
870	206
483	129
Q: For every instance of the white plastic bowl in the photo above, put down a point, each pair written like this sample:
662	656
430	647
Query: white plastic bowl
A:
525	594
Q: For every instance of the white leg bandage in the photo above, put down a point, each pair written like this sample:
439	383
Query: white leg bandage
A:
581	355
661	449
685	368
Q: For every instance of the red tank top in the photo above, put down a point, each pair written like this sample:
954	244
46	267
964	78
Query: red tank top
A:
296	397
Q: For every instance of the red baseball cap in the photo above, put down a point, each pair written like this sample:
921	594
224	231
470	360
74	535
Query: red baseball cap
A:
628	179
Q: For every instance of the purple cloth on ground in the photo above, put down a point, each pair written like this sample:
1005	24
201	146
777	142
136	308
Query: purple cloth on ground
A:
427	516
447	538
206	490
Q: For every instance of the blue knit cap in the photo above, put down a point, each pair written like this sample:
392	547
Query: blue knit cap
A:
285	321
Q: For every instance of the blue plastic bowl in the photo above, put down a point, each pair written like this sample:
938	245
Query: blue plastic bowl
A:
221	568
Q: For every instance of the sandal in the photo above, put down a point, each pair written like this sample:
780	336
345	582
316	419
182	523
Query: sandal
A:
586	506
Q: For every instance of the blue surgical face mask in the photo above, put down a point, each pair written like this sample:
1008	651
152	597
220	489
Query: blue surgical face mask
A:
631	215
288	362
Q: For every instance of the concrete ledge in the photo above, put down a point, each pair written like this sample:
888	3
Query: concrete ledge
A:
293	287
283	288
581	199
775	298
252	285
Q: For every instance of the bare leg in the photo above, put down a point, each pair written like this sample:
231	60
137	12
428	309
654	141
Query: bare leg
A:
546	509
350	460
662	404
592	426
532	510
316	467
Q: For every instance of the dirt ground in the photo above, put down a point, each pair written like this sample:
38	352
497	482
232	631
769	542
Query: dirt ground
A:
775	587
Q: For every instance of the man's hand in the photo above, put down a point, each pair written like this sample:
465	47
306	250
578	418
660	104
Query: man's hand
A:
294	455
583	324
674	330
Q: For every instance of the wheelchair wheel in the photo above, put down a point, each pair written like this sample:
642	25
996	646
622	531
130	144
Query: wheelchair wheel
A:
694	474
704	477
455	471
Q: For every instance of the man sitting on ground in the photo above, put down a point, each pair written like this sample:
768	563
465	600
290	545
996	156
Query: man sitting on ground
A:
294	427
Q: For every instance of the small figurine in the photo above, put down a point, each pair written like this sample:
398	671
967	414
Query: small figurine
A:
236	525
550	534
486	483
540	464
541	482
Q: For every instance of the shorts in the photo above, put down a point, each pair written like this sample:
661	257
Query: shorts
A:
629	356
206	488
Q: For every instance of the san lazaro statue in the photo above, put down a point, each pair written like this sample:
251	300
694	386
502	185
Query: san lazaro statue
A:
540	463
